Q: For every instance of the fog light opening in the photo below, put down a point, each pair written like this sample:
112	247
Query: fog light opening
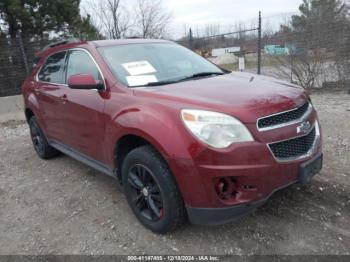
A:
226	188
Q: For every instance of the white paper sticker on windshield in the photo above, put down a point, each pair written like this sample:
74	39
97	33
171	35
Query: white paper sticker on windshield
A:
141	80
139	68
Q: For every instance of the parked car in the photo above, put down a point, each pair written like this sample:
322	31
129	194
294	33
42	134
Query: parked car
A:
184	138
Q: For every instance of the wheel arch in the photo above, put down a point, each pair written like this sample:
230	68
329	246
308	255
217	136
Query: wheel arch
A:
158	126
128	142
28	114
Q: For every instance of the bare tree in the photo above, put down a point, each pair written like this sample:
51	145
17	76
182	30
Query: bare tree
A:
151	19
305	69
240	27
110	17
319	44
268	32
186	30
211	29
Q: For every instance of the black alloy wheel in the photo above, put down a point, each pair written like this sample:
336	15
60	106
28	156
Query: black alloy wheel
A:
151	190
145	193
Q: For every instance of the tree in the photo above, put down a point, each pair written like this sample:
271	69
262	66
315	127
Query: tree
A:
111	16
152	20
211	30
303	69
39	17
267	33
319	18
84	29
319	40
14	16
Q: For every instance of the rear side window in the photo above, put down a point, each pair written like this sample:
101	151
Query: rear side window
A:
80	62
52	70
35	62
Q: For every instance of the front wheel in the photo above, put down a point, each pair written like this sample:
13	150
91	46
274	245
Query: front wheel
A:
151	191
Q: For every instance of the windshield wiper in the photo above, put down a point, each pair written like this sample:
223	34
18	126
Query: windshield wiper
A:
160	83
168	82
206	74
202	74
197	75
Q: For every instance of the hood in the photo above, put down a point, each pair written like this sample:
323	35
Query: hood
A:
240	94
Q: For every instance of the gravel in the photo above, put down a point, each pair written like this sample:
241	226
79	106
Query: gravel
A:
63	207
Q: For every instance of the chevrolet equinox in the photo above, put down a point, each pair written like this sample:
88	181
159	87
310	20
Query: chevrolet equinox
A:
185	139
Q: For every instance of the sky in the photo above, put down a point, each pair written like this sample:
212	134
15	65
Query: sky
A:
198	13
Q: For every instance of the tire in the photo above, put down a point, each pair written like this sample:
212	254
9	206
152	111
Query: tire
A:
151	191
41	146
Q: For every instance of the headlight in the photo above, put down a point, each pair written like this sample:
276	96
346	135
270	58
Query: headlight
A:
215	129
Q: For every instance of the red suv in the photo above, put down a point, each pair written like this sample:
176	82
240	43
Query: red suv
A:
184	138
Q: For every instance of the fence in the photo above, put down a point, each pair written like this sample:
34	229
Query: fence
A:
16	57
314	55
226	49
318	56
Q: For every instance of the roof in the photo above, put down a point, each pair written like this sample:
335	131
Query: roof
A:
71	43
61	45
101	43
62	42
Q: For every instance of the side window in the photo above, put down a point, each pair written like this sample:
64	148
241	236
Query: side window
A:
80	62
52	70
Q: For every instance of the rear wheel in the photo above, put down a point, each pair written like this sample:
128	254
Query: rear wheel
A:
151	191
41	146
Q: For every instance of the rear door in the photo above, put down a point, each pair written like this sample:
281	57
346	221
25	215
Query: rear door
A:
84	119
50	90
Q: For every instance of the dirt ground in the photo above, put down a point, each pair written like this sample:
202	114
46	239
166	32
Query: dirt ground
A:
63	207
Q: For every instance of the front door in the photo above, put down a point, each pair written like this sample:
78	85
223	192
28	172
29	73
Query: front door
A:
84	120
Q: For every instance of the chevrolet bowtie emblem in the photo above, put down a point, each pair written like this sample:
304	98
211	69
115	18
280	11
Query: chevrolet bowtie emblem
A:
304	128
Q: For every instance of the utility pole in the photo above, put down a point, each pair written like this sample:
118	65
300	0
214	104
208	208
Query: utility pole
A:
24	57
190	39
259	44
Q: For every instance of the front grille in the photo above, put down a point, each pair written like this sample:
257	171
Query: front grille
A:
283	117
295	147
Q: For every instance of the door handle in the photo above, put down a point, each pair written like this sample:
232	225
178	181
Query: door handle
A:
64	98
37	91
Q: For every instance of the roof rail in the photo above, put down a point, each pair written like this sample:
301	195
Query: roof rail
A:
62	42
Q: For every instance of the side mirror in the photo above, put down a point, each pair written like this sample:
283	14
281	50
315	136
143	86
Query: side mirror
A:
84	81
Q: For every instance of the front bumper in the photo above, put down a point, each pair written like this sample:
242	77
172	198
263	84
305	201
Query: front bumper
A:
252	166
220	185
219	216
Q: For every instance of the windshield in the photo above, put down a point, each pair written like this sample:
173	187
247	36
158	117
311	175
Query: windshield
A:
155	63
